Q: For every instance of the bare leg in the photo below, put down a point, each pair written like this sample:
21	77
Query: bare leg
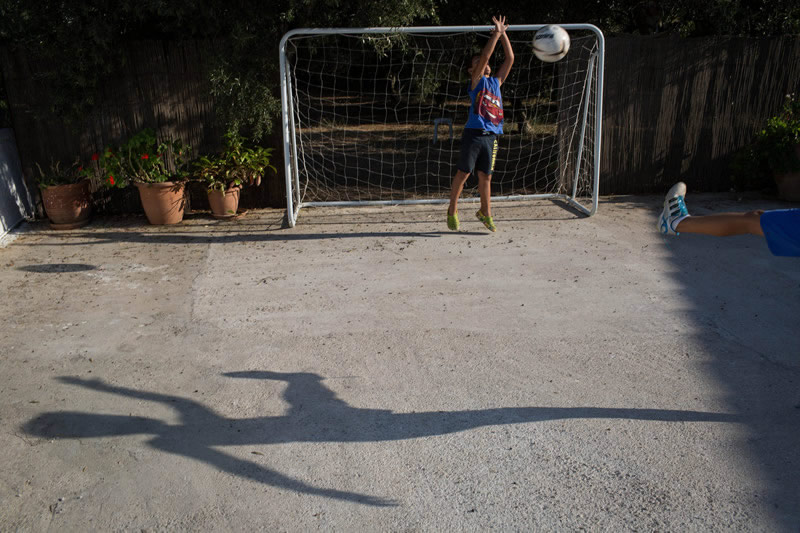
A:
455	192
723	224
485	190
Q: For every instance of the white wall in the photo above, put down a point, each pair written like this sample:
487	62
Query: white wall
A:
16	201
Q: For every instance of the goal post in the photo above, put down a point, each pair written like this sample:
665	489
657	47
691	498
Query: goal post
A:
374	116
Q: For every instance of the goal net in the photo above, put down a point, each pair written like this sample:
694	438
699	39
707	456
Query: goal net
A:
375	116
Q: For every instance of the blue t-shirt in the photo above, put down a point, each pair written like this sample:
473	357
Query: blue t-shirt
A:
486	107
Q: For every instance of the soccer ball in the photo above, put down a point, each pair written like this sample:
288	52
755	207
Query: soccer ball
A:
551	43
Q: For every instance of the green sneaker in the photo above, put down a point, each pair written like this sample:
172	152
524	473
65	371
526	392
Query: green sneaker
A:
452	221
487	221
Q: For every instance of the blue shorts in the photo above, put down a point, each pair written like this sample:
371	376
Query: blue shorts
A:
781	228
478	151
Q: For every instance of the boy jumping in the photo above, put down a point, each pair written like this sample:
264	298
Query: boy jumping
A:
485	123
780	227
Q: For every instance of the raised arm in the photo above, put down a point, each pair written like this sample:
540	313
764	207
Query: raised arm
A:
479	68
505	68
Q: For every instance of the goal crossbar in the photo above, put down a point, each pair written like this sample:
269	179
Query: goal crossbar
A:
294	199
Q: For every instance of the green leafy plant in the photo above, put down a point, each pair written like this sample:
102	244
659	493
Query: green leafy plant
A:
750	170
234	165
145	159
772	152
58	174
777	142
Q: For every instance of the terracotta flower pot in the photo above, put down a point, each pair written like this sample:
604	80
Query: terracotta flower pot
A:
789	182
224	205
67	206
163	202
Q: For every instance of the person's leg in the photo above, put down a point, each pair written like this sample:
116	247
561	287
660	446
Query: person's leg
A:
485	167
723	224
485	190
470	148
455	192
675	218
484	186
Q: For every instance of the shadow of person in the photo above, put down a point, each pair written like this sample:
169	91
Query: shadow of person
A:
315	414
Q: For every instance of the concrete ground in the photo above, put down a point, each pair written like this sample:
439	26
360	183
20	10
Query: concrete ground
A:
368	370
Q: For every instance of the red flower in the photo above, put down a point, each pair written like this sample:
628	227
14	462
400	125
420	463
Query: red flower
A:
145	156
111	179
80	169
95	157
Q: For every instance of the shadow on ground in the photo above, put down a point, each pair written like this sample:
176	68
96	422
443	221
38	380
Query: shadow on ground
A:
315	414
271	226
743	304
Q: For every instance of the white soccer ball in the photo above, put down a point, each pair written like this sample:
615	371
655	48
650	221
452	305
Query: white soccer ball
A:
551	43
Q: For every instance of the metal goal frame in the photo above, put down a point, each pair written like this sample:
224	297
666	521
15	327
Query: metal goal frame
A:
293	199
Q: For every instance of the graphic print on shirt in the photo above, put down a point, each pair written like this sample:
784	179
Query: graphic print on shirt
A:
489	106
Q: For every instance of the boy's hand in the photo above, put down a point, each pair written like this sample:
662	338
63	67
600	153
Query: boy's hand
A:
500	25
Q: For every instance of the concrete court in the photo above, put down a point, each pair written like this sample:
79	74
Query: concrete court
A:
368	370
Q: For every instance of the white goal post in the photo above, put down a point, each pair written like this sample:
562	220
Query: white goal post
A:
374	116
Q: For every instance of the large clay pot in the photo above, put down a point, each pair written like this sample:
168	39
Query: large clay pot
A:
67	206
163	202
789	182
224	205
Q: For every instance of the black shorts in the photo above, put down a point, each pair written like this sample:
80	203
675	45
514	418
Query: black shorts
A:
478	151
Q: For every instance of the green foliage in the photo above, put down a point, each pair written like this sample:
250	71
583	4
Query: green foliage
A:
778	140
144	159
79	44
244	102
685	17
731	17
382	43
5	113
58	174
72	43
750	170
773	150
234	165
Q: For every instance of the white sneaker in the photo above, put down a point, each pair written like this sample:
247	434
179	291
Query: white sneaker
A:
674	209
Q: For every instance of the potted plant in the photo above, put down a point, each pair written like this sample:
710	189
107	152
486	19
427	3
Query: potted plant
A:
65	194
777	147
158	169
224	174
